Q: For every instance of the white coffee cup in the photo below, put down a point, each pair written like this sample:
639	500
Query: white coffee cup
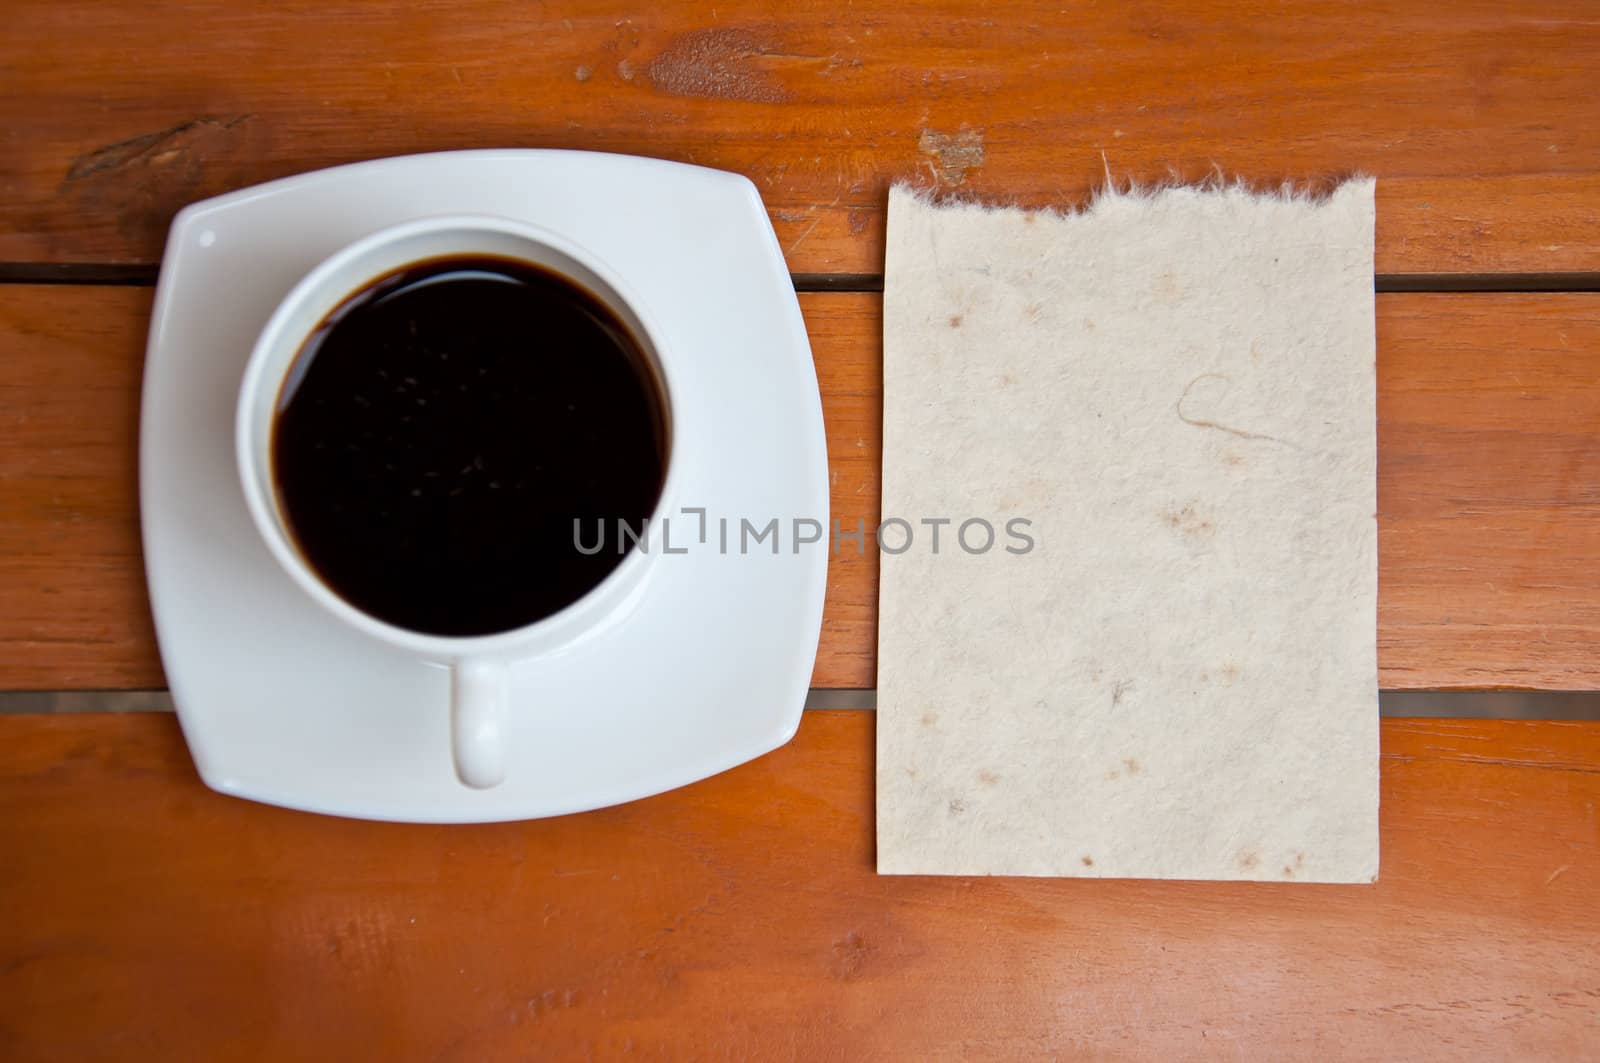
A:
478	664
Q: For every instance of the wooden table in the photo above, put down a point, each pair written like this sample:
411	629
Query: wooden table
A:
143	916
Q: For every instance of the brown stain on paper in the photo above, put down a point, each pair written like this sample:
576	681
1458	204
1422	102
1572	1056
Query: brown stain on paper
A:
1130	766
1188	520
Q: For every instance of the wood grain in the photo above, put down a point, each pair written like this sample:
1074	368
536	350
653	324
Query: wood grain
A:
1489	489
75	613
1481	126
740	918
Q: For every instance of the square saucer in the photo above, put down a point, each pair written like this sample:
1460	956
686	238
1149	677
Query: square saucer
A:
282	703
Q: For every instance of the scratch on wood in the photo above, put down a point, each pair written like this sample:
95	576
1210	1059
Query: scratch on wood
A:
161	146
953	154
723	64
802	237
850	954
1512	762
814	223
551	1000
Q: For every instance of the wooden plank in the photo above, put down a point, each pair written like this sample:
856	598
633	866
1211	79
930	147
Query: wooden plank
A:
75	612
1480	125
1489	489
740	918
847	344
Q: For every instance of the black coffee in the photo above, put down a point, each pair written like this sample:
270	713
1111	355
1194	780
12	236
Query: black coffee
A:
442	430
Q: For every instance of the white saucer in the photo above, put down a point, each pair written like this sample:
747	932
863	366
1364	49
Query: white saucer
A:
281	703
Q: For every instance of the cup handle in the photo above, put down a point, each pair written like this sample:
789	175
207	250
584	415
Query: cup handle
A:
477	716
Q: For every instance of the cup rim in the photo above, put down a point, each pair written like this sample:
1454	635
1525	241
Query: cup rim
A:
559	628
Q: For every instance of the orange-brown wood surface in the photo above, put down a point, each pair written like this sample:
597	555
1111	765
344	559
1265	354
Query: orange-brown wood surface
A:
740	918
1489	488
1480	122
143	916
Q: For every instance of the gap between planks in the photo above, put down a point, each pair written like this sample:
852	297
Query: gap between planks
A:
1407	704
137	275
